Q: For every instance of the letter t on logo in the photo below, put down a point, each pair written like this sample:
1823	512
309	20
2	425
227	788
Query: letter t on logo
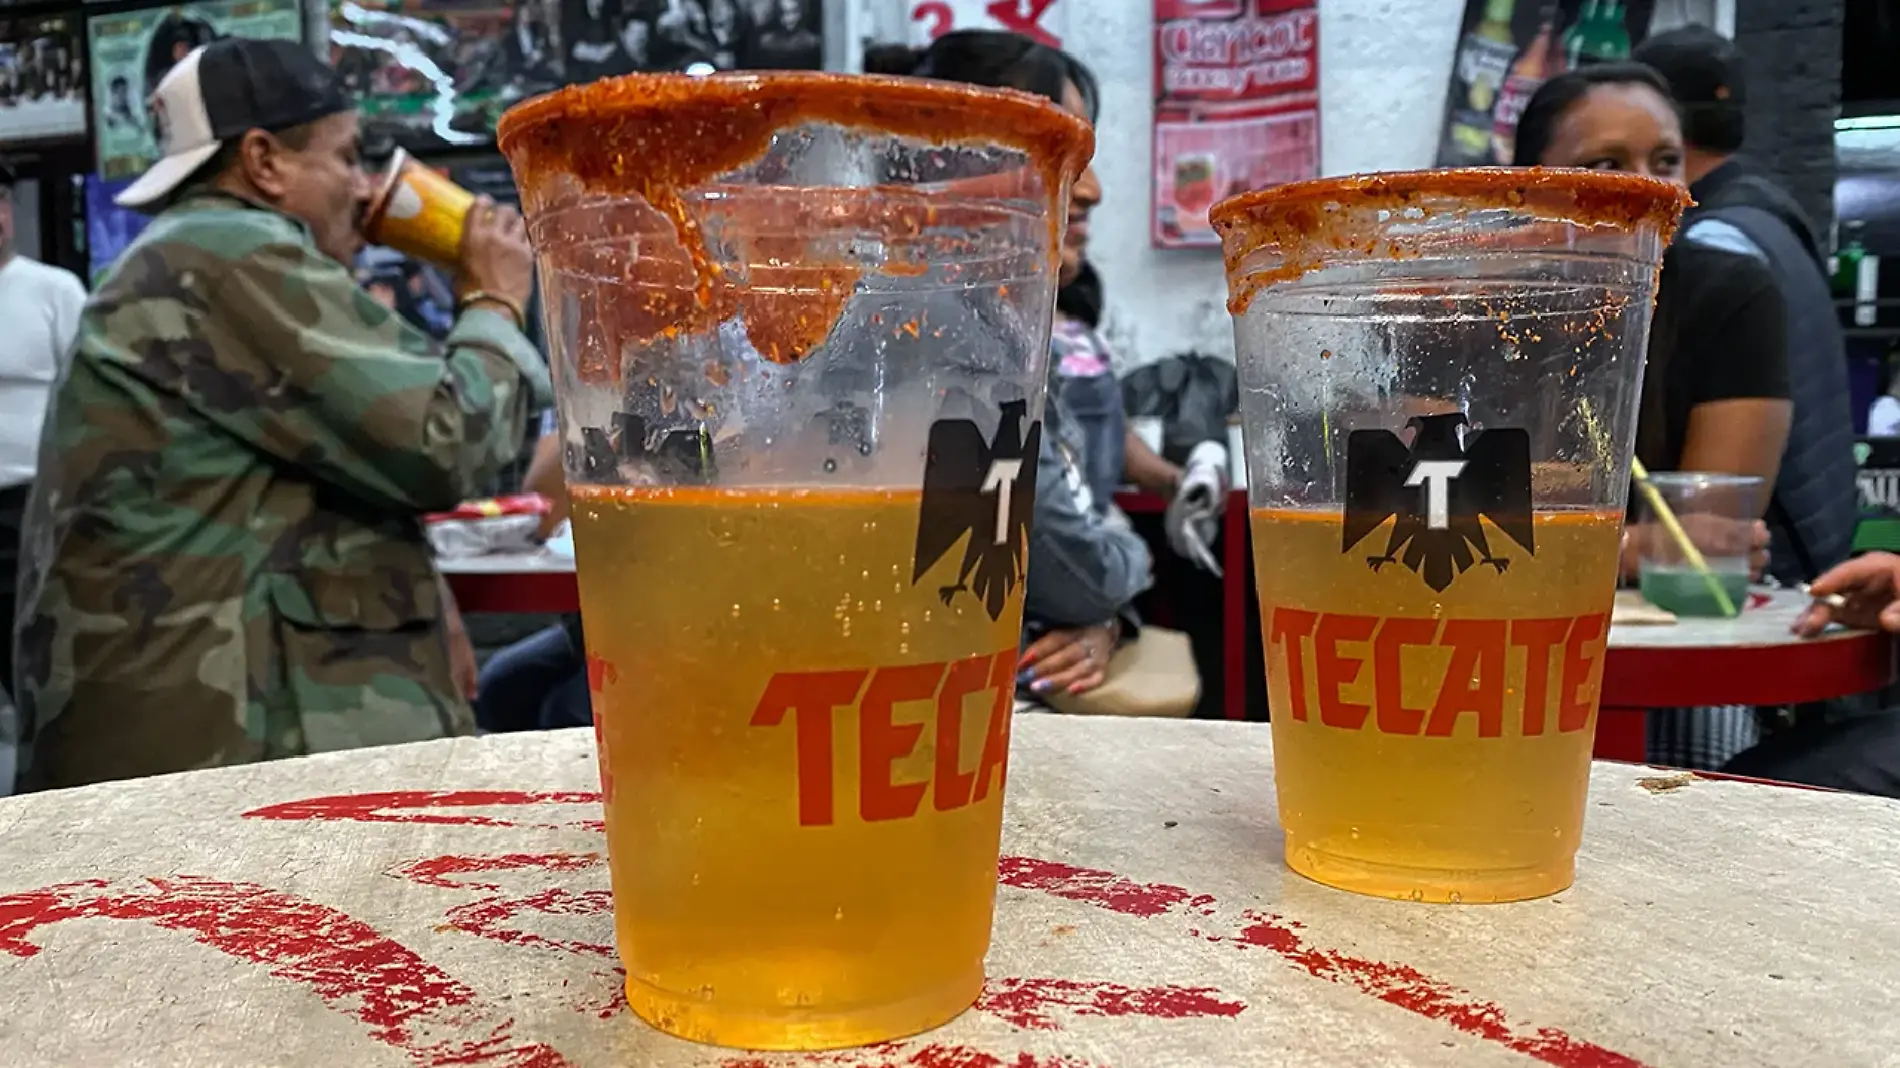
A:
1000	481
1436	476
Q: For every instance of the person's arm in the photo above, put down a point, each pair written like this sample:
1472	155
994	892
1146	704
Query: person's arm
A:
464	667
69	300
1071	660
356	395
1082	570
1739	437
1740	411
546	478
1147	469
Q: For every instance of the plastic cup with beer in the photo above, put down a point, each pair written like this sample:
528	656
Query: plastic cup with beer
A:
418	212
799	328
1439	374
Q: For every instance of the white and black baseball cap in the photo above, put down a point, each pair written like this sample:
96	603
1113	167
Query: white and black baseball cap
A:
223	89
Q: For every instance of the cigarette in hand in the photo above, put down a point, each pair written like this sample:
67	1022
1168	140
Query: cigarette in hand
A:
1832	600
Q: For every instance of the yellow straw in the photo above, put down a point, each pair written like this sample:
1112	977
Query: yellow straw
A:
1689	551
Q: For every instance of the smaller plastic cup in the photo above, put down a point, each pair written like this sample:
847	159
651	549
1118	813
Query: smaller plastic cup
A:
1439	381
418	212
1717	513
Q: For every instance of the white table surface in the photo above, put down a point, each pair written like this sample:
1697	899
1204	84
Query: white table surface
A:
1146	921
1763	626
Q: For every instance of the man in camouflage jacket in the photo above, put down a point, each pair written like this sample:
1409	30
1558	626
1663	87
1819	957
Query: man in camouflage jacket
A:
224	560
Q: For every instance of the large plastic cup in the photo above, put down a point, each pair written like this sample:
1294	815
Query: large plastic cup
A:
799	325
1439	375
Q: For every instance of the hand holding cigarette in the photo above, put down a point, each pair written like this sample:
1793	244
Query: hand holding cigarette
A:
1863	592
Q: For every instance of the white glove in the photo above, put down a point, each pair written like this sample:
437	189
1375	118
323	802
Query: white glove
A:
1193	519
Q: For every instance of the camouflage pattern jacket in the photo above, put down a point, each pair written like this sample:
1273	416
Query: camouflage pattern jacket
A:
223	560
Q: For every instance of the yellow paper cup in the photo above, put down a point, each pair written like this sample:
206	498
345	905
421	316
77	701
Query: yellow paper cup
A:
418	212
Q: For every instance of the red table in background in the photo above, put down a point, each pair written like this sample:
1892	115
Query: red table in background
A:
1752	660
1749	661
542	582
1235	543
537	582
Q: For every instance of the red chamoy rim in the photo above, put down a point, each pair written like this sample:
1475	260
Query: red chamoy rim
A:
659	138
1314	222
639	132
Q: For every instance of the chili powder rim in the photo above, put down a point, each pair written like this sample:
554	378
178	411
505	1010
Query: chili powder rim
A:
1596	198
1324	221
917	108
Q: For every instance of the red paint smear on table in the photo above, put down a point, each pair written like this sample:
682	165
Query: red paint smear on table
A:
1395	984
1026	1003
420	806
359	972
1413	991
1101	888
486	918
438	871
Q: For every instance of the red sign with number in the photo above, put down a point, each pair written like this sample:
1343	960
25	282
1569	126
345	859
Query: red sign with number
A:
1039	20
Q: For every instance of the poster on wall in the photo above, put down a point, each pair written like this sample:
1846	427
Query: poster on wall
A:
133	50
1507	48
42	78
1236	106
436	74
1041	20
606	37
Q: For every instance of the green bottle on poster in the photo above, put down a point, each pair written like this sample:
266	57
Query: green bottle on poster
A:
1484	59
1598	35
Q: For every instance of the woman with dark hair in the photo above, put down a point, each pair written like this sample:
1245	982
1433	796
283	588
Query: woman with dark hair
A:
1715	392
1085	563
1715	397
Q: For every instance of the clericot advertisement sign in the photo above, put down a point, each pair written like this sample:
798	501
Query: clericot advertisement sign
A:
1208	50
1236	106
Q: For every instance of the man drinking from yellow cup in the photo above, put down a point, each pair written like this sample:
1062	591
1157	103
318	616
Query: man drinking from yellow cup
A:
223	559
